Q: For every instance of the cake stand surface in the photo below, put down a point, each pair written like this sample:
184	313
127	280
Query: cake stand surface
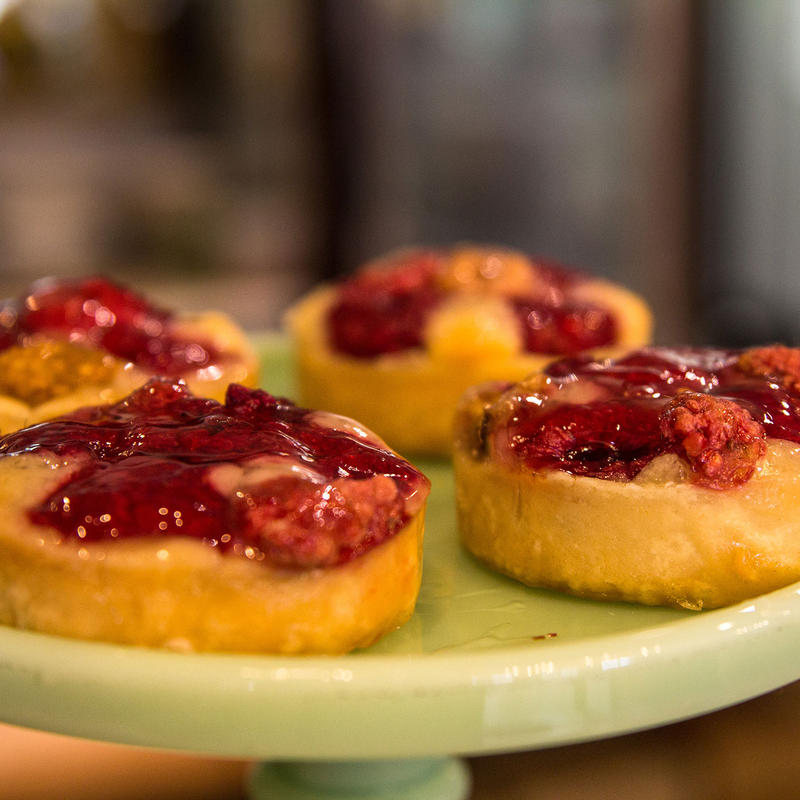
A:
485	665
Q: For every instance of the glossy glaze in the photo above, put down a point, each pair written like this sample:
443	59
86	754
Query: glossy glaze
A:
384	309
296	492
625	422
97	312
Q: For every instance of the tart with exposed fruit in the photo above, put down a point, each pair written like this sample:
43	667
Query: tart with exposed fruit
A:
396	344
169	520
68	343
665	477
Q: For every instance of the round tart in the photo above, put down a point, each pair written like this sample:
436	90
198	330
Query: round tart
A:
398	343
66	343
169	520
665	477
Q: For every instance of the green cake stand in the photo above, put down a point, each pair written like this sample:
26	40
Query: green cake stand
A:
485	665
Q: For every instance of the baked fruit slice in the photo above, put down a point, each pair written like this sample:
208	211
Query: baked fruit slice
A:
169	520
68	343
666	477
398	343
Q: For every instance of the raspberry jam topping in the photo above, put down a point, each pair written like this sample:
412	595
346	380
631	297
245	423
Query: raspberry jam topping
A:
258	476
384	310
96	312
385	307
608	419
564	328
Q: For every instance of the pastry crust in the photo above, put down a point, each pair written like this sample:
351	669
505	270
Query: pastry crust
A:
181	593
675	533
409	397
657	543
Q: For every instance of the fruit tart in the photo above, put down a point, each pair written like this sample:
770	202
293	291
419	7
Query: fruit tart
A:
396	344
664	477
68	343
170	520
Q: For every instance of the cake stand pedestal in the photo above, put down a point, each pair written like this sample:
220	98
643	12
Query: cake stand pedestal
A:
411	779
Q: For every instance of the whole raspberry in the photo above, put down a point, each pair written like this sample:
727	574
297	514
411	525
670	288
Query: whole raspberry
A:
776	361
719	438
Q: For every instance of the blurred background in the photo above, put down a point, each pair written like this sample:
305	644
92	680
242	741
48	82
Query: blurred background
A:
233	152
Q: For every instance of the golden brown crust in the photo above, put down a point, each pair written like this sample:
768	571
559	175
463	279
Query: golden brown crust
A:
182	594
659	539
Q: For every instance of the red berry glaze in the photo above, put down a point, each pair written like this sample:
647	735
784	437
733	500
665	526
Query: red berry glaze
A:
565	328
385	308
146	468
712	408
586	440
101	313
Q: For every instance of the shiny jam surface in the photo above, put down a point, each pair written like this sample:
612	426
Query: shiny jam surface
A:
564	327
384	308
97	312
609	419
301	495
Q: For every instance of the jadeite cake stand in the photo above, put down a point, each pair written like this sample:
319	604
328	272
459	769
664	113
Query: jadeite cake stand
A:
485	665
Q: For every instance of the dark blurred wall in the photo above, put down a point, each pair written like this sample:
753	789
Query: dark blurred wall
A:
750	281
242	150
170	143
560	127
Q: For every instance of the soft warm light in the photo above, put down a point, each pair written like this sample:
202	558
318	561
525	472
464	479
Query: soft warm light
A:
6	6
